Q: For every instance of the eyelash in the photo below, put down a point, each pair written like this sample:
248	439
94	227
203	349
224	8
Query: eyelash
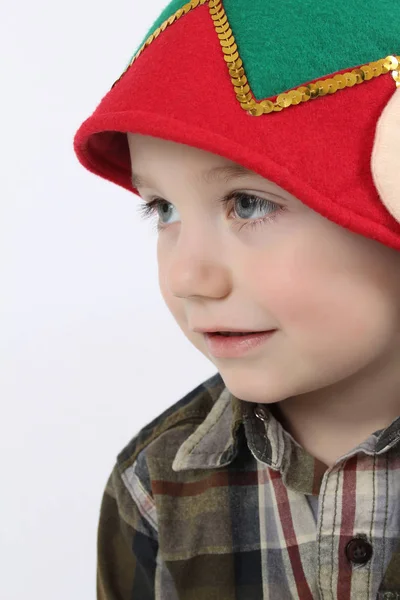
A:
149	209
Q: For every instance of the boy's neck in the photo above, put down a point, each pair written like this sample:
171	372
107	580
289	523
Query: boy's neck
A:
330	422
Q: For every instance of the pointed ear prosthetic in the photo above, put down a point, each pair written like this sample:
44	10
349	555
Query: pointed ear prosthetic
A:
385	159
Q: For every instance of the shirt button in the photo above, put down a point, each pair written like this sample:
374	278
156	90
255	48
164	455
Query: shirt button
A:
260	413
358	551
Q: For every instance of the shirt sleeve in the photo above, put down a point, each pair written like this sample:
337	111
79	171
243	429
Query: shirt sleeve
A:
127	546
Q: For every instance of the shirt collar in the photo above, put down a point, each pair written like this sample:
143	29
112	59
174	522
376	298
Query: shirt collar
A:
389	437
215	442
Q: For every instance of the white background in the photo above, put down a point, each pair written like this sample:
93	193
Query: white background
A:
89	353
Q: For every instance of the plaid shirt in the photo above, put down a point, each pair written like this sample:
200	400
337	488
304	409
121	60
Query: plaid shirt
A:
214	500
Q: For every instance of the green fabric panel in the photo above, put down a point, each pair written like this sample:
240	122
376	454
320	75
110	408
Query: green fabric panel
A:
286	44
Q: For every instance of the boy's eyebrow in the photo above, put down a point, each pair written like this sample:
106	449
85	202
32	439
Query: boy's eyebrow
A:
216	173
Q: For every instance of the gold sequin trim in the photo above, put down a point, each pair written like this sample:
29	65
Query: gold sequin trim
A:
242	90
295	96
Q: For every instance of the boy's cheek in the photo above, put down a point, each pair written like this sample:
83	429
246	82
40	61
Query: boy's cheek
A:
176	306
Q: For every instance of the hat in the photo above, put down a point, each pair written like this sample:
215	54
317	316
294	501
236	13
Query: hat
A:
306	94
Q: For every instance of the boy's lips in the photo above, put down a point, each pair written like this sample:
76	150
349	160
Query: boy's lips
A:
234	346
222	328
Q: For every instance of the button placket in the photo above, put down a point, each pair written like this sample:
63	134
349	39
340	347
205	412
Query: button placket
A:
327	527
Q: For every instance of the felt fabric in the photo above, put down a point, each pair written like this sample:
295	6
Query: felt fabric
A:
283	44
180	89
386	156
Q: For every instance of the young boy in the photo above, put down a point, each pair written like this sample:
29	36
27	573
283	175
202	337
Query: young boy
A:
266	140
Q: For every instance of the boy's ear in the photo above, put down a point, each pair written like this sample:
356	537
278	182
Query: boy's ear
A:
385	159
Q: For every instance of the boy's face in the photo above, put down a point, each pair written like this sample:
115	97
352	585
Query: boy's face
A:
333	296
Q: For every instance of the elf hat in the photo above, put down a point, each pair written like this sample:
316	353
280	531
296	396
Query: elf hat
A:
306	94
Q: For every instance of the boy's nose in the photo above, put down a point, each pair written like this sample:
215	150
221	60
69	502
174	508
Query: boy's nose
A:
189	276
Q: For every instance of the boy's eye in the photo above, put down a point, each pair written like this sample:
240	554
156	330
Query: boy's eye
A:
247	207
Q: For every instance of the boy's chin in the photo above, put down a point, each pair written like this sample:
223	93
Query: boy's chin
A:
253	389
